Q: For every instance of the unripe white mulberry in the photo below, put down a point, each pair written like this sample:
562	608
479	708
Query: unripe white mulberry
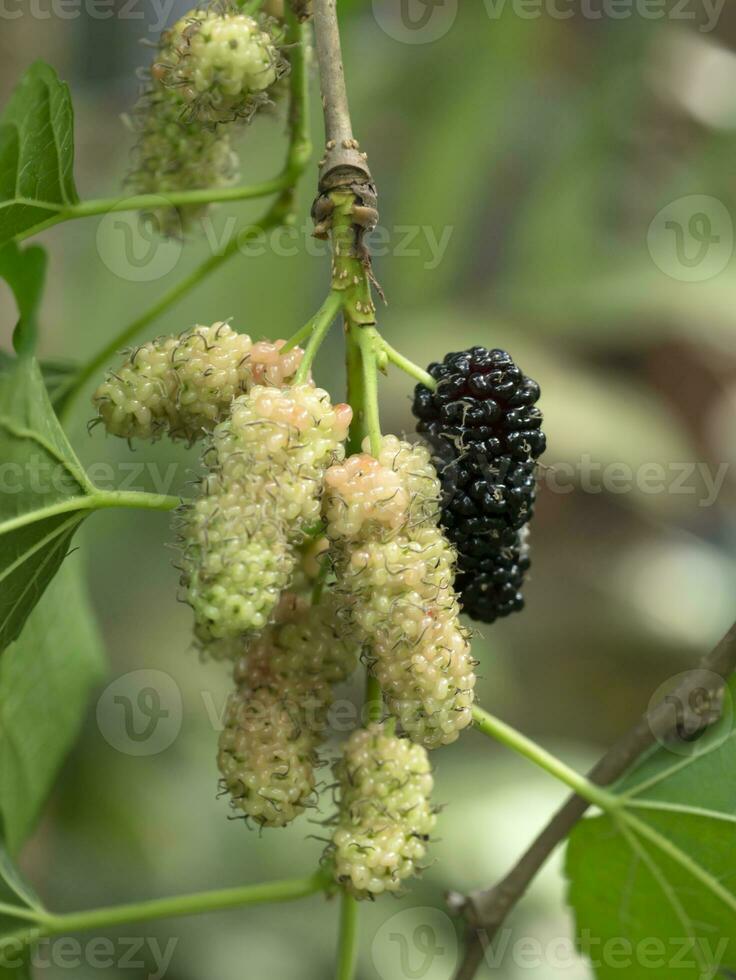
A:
220	63
364	497
267	764
184	385
282	440
173	154
272	367
235	561
396	571
267	464
307	649
385	817
276	717
213	67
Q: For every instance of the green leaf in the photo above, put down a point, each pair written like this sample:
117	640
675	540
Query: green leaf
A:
44	495
25	272
55	372
45	680
653	886
36	153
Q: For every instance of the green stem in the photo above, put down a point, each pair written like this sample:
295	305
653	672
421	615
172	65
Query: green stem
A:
347	945
280	212
319	327
349	269
495	728
100	500
409	367
150	202
367	344
18	912
136	499
166	908
355	394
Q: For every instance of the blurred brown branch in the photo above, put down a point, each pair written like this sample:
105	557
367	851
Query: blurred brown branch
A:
487	909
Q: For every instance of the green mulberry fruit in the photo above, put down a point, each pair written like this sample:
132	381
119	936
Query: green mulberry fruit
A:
276	718
385	817
266	467
266	762
213	67
395	571
173	154
220	63
184	385
235	561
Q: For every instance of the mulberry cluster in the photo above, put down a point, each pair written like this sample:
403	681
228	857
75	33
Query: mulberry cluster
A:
213	67
275	718
385	817
395	571
485	434
220	63
184	385
266	466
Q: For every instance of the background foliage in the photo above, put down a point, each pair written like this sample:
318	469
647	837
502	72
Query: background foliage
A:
546	147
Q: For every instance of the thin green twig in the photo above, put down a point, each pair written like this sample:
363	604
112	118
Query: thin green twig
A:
367	343
151	202
409	367
495	728
166	908
98	500
18	912
319	327
347	943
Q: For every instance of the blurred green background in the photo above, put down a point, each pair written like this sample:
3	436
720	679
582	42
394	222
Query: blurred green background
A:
564	188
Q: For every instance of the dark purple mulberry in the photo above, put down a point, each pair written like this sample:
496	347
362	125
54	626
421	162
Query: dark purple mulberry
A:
485	433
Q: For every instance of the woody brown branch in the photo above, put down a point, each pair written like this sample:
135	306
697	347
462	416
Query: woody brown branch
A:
486	910
343	163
